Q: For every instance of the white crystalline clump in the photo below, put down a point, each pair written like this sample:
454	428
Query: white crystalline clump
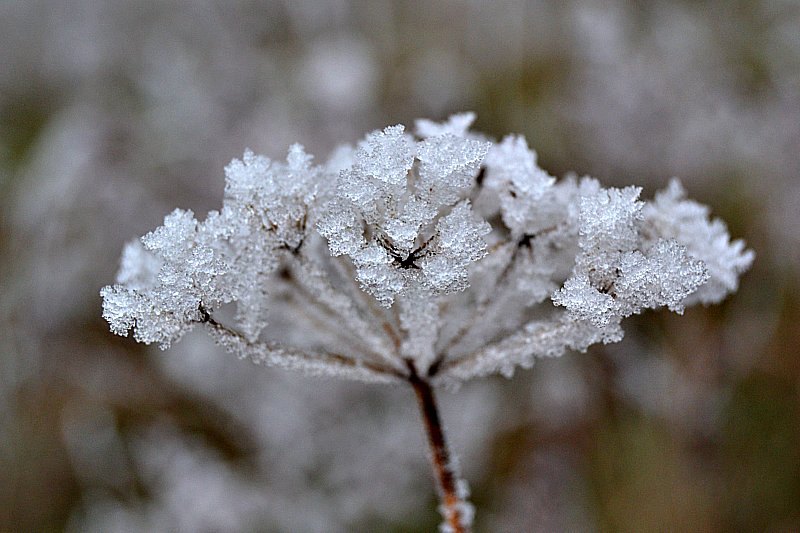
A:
386	156
343	229
671	215
457	125
383	261
665	276
520	183
276	195
458	244
383	207
448	166
164	281
184	268
585	302
265	214
619	273
608	228
377	275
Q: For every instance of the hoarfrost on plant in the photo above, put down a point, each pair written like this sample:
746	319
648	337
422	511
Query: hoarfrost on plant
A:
428	259
439	253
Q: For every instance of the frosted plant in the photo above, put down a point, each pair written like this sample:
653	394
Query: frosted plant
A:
425	259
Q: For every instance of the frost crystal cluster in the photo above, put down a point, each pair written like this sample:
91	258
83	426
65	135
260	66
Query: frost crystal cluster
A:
432	257
439	250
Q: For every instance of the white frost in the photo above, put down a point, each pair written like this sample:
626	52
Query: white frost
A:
385	257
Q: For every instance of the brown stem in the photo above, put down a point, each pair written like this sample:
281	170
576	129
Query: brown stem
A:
453	506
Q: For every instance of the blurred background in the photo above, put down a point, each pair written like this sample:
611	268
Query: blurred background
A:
112	113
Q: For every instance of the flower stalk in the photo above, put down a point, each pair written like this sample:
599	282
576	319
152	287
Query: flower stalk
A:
453	507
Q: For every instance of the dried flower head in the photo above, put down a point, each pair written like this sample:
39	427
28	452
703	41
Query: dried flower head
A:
429	259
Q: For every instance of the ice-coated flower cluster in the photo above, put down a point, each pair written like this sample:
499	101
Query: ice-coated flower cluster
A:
439	254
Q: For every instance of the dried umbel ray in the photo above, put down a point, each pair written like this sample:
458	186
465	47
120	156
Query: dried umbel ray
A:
425	259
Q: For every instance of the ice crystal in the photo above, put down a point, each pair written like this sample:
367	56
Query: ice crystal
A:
439	254
457	125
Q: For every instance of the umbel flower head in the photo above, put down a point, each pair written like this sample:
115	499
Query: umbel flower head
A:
429	258
438	249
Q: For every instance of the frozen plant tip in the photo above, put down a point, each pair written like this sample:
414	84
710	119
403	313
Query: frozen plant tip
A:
427	258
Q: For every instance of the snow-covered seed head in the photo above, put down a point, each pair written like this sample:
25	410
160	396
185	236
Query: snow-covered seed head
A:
441	249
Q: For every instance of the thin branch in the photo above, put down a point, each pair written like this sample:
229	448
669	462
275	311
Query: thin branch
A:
334	303
375	310
526	241
538	338
478	312
324	321
456	511
317	364
320	316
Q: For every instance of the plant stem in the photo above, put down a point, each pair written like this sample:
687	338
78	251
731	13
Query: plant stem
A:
453	506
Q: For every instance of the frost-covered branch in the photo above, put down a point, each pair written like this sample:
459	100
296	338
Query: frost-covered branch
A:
312	364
